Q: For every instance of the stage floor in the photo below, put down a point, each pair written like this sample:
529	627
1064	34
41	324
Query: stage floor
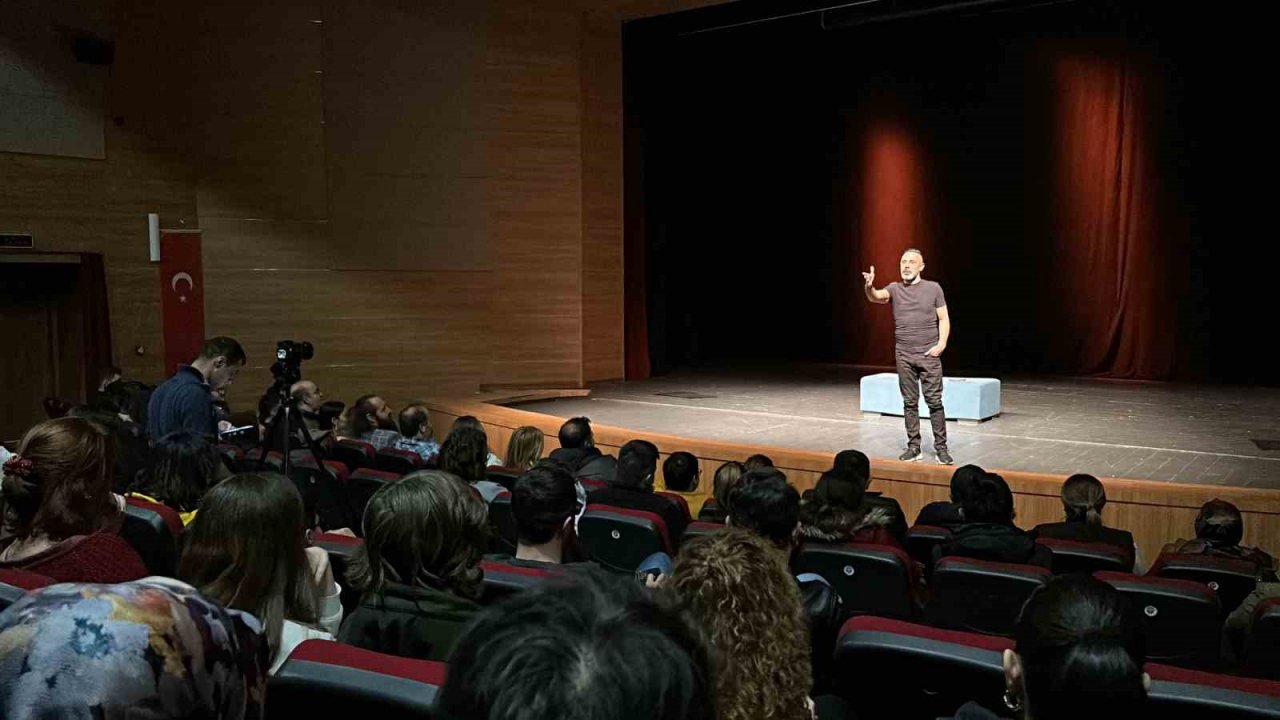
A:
1201	434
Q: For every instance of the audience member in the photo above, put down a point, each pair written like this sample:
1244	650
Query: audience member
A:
858	465
759	460
524	449
989	532
578	450
835	512
419	568
332	416
471	421
544	503
1219	530
1239	624
950	514
632	487
310	400
738	588
1078	653
61	519
716	509
184	402
416	432
1083	498
680	472
183	467
370	420
152	649
248	550
463	454
130	446
590	649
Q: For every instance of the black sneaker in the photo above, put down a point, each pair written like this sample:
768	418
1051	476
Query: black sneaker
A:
944	458
911	455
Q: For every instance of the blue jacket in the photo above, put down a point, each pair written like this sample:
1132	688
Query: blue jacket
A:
182	402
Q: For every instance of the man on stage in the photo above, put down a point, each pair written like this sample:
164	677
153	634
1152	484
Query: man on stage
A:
921	327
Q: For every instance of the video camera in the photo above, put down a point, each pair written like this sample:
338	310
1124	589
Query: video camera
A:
287	369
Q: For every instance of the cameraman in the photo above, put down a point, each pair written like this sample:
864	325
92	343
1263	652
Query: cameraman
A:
185	401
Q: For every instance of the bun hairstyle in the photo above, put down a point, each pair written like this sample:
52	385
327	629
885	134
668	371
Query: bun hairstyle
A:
1083	498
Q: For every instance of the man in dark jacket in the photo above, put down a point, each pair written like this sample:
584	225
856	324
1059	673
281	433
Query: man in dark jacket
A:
578	451
989	532
185	401
633	488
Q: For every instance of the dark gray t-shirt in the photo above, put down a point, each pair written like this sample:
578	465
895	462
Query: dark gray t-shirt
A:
915	314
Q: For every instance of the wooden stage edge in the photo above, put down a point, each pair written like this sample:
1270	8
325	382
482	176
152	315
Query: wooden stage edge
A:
1155	512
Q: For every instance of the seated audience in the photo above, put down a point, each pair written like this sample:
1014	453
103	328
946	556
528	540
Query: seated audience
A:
61	519
247	549
989	532
632	487
183	467
108	375
835	512
544	503
332	416
131	448
524	449
153	649
759	460
578	450
1083	498
1219	530
416	432
738	588
726	478
590	649
950	514
680	472
472	422
419	568
310	400
857	464
463	454
1078	653
370	420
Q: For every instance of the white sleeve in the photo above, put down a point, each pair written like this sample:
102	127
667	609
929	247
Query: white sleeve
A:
331	610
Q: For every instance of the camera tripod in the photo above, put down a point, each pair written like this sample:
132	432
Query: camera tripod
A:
286	426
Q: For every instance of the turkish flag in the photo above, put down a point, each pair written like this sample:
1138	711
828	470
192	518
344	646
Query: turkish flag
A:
181	297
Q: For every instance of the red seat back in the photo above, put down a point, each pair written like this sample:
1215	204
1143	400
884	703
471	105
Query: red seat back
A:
345	681
871	579
981	596
620	538
1183	619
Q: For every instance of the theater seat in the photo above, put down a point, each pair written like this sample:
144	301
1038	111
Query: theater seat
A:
698	528
981	596
355	454
16	583
619	539
153	530
1183	620
590	484
362	484
871	579
1232	579
1073	556
503	524
711	511
322	678
922	539
1262	648
341	549
676	499
894	669
395	460
506	477
501	580
1181	694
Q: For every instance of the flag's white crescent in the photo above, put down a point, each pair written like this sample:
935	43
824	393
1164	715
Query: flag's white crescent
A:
182	276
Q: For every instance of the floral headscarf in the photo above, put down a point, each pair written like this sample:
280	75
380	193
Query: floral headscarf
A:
151	649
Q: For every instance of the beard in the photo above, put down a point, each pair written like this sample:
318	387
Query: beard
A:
386	423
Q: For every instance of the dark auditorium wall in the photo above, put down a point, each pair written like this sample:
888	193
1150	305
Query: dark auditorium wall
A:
430	192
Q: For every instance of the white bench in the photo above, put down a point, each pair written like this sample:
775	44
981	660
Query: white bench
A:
965	399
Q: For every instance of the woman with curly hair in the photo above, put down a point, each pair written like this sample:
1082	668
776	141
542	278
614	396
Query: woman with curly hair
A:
419	568
738	588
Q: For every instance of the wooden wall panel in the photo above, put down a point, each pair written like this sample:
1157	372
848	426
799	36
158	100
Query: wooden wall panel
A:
76	205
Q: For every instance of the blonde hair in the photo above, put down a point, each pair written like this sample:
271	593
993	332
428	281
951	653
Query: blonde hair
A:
525	448
737	586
